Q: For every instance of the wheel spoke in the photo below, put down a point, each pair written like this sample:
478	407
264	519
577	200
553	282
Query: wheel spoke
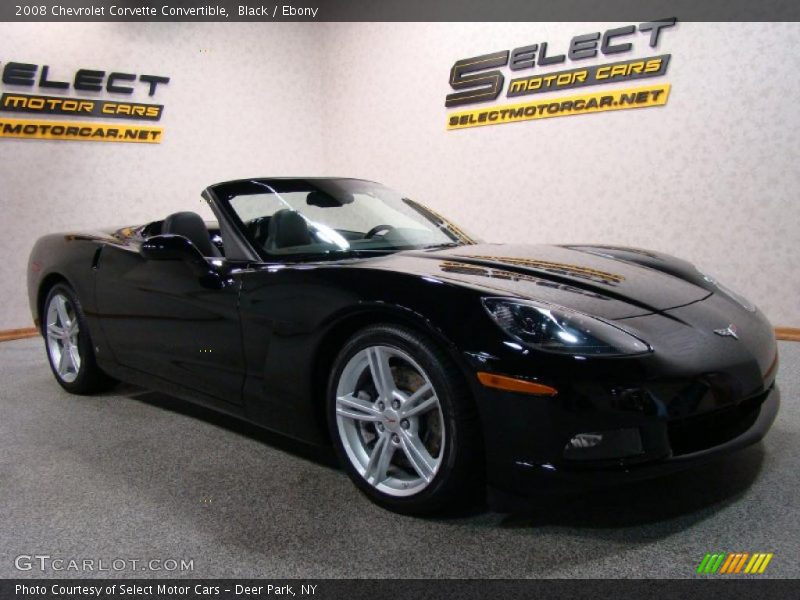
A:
419	457
353	407
353	401
74	358
54	331
381	372
69	363
61	308
63	361
379	460
358	416
424	406
417	403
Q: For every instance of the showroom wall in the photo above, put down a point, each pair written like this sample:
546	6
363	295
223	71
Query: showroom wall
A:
711	176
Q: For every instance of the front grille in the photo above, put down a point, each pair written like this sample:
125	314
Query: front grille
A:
701	432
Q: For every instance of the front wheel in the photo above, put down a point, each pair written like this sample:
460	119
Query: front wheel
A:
403	422
69	346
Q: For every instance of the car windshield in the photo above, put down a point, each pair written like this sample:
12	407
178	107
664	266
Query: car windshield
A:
329	217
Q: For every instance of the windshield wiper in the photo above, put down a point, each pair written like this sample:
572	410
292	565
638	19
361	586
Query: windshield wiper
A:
444	245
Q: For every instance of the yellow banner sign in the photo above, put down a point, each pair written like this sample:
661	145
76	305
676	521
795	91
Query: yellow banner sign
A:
560	107
80	107
44	129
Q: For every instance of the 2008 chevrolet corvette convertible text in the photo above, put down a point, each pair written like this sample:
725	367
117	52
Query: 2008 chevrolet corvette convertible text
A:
337	311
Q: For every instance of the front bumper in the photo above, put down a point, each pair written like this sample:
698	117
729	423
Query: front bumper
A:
521	477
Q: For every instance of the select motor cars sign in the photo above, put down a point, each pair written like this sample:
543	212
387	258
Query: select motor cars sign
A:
479	79
27	76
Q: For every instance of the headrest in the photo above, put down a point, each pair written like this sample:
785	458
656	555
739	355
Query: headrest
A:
287	228
191	225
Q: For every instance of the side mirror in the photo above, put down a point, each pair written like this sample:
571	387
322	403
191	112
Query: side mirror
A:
177	247
171	247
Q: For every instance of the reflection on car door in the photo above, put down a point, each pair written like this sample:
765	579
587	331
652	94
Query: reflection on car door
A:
161	318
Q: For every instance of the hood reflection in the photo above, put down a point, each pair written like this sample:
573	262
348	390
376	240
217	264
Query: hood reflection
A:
493	273
553	267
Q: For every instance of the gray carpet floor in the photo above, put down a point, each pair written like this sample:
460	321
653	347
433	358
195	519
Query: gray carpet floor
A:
136	475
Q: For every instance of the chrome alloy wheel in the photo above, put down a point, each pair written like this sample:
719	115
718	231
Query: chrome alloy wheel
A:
62	338
390	421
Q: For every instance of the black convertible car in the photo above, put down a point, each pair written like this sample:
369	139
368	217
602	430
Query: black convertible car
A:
338	311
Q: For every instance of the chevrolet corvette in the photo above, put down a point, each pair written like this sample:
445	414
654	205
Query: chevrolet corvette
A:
339	312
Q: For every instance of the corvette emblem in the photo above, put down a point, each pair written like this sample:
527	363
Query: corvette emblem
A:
729	331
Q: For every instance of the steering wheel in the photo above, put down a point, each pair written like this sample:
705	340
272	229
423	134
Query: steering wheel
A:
375	230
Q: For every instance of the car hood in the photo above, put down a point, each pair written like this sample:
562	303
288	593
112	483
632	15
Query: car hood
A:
594	283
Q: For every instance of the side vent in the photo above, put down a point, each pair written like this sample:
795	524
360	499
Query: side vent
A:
96	258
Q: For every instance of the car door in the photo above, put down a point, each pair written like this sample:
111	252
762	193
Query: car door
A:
162	318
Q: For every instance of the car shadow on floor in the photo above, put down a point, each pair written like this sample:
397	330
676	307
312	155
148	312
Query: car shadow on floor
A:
323	456
692	494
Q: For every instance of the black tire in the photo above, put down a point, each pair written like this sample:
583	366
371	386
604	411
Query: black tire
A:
459	481
90	378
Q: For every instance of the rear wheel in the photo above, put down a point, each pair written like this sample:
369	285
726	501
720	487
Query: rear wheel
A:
403	422
69	346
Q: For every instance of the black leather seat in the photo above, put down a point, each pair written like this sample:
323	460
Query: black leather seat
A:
191	225
287	228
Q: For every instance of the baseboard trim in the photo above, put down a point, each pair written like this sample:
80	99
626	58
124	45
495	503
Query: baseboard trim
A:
786	334
18	334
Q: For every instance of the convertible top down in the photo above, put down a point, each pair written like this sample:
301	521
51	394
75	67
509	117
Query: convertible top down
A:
337	311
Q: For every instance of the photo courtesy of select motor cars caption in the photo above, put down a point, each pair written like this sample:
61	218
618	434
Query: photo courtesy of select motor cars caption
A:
355	299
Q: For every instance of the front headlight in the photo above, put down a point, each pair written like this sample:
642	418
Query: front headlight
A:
562	330
726	291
